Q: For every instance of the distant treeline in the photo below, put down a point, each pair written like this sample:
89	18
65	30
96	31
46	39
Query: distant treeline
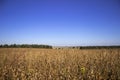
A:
25	46
96	47
50	47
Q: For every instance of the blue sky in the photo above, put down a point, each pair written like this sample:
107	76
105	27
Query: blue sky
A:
60	22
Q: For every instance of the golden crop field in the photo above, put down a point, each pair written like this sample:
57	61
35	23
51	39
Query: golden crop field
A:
62	64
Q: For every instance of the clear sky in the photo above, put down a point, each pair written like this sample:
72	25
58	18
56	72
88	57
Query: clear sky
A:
60	22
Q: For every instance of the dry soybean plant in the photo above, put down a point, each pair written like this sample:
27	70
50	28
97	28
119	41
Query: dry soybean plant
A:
65	64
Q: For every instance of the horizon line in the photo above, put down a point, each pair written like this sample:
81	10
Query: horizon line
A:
64	45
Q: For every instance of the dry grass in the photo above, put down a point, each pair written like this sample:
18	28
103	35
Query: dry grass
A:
51	64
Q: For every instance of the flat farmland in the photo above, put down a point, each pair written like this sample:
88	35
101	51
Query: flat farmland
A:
59	64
